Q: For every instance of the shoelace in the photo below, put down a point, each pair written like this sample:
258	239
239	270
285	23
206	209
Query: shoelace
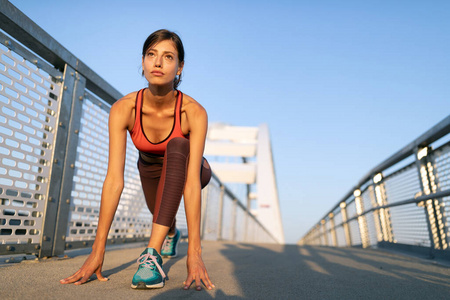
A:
149	261
166	244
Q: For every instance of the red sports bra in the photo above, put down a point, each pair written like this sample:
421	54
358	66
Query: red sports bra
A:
138	136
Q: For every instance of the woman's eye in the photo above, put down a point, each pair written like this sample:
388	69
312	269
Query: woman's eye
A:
170	57
150	54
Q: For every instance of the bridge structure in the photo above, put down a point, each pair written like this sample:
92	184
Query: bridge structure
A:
53	149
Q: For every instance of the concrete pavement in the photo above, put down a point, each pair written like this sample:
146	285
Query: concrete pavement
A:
241	271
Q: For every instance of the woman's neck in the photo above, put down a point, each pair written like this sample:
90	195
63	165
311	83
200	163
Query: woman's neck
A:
159	96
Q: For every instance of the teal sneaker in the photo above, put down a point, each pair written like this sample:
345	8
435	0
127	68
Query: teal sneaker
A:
170	246
150	274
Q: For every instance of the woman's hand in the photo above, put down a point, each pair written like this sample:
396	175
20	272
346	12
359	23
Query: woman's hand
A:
197	272
93	264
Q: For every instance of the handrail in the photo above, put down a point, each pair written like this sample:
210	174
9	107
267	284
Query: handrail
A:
400	203
435	133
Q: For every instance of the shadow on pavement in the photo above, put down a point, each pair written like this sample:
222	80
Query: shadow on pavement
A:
109	272
292	272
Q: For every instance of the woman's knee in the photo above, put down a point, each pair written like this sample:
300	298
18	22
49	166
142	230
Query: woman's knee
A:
178	145
205	173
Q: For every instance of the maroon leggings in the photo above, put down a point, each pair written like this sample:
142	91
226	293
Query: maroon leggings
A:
163	180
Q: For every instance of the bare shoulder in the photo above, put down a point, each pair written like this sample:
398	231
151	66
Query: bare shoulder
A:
193	107
123	110
125	104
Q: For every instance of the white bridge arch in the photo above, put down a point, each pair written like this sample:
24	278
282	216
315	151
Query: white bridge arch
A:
244	155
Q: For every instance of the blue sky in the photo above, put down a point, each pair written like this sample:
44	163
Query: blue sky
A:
341	84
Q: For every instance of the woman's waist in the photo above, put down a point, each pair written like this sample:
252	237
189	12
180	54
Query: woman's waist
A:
151	158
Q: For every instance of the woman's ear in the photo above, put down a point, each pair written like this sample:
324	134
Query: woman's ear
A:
180	68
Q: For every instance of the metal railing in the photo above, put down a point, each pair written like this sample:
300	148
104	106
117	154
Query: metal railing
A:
404	202
54	148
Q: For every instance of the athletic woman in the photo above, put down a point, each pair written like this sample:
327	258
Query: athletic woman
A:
169	130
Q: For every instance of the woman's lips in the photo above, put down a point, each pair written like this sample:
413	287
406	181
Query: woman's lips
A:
157	73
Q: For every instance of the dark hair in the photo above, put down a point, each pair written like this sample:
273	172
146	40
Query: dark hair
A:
163	35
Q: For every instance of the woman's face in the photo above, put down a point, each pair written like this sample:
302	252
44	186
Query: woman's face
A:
161	64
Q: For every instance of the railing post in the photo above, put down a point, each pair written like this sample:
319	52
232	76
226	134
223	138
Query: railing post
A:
333	230
312	236
246	225
324	232
361	219
383	213
433	207
220	217
317	235
73	124
53	237
233	225
376	213
348	237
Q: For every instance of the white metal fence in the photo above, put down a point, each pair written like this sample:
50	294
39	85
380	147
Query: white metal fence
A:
28	121
403	202
54	148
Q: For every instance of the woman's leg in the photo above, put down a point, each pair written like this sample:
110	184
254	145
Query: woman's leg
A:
170	189
150	174
173	179
165	202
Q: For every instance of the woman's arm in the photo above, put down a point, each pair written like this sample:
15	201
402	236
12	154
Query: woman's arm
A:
198	124
114	181
112	189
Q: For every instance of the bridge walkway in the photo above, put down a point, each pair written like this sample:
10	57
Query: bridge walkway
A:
241	271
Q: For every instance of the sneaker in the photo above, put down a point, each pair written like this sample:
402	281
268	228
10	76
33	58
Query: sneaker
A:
170	245
150	274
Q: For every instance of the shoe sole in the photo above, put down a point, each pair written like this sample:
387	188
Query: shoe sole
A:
143	286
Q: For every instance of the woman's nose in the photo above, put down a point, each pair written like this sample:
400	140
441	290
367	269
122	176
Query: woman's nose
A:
158	61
